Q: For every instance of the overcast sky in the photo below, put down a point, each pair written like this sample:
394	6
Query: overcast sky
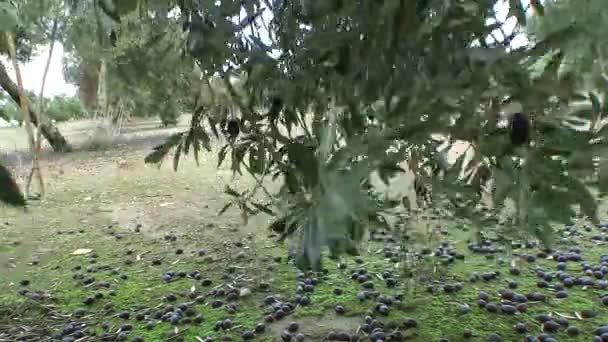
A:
56	85
31	72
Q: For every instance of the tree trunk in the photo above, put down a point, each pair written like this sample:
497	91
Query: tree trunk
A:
49	131
102	89
88	83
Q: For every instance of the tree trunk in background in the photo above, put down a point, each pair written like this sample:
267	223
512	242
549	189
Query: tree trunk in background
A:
89	80
49	131
102	89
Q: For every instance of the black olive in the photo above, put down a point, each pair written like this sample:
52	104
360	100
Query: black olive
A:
293	327
520	328
79	312
551	327
588	313
126	327
493	337
279	314
561	294
247	335
519	129
227	324
573	331
113	38
89	300
233	128
260	328
506	294
563	322
508	309
286	336
276	104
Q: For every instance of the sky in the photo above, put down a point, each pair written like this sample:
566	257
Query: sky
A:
56	85
31	73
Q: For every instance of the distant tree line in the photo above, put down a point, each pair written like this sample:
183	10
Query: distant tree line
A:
59	108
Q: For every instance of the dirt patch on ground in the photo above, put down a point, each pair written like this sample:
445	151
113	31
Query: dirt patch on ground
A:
317	328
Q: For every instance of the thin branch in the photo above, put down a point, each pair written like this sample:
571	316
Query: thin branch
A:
41	110
259	182
22	99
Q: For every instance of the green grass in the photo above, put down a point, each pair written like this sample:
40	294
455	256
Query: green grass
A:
437	314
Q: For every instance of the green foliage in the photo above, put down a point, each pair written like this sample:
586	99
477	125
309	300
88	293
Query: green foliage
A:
306	90
33	25
8	110
588	52
59	108
8	16
145	69
63	108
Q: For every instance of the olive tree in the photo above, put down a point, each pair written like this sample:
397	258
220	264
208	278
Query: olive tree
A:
30	25
586	56
332	91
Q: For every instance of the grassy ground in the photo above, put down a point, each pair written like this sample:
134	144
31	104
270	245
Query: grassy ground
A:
141	222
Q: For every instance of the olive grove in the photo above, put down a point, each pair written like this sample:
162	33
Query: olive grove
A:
329	92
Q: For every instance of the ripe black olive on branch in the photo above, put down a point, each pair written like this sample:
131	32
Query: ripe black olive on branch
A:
113	38
276	104
519	128
343	60
233	128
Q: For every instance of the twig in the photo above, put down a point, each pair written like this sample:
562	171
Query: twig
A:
177	334
41	110
259	182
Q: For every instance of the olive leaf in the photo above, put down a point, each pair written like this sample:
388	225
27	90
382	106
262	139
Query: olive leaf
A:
161	151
